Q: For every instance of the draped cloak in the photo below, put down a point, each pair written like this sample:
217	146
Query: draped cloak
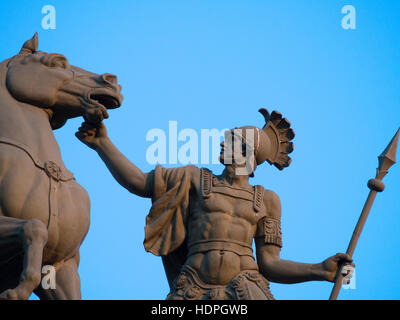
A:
165	230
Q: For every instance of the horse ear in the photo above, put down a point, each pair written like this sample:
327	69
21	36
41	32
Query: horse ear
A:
31	45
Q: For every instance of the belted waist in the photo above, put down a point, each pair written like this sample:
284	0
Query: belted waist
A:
238	247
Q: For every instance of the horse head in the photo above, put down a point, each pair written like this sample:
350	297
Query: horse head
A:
48	81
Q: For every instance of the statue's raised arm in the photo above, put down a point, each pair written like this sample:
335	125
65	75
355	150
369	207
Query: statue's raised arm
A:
124	171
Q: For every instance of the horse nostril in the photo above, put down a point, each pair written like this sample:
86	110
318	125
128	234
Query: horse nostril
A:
109	78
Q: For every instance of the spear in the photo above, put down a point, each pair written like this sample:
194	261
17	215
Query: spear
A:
386	160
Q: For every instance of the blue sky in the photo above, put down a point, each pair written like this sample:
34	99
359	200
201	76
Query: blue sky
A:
213	64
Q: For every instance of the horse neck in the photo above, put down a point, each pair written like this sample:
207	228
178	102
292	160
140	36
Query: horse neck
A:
26	124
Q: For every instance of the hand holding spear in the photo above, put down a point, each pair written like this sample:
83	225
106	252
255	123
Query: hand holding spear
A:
386	160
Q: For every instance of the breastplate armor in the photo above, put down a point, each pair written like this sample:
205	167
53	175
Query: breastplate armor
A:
210	184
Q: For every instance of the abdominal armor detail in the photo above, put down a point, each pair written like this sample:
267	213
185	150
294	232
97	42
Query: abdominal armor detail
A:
210	184
268	228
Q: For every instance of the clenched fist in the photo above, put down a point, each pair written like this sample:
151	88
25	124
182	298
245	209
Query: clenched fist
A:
92	135
331	265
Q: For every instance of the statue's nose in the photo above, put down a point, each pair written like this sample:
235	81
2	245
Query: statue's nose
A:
109	79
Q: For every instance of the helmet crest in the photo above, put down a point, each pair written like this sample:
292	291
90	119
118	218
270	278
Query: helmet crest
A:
280	135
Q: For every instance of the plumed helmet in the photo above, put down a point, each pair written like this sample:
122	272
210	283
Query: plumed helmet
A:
274	143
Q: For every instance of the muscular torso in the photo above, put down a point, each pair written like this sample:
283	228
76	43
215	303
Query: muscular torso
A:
220	217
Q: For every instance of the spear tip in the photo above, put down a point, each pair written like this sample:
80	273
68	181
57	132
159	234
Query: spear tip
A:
388	156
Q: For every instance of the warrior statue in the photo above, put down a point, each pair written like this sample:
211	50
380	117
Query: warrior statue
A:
203	225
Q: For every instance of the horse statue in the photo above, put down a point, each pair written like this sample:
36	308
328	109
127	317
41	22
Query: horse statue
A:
44	212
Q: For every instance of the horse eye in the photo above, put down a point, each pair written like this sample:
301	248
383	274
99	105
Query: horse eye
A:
59	63
55	61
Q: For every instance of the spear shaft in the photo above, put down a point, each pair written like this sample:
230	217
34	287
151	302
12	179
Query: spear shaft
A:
386	160
353	241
